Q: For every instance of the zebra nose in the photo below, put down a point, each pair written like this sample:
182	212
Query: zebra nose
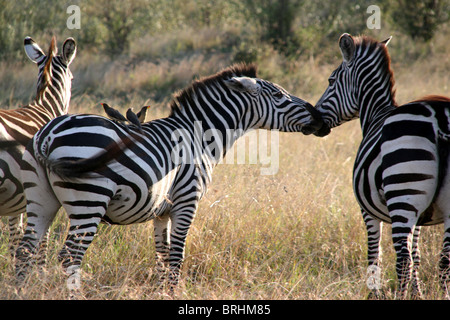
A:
323	131
325	128
317	126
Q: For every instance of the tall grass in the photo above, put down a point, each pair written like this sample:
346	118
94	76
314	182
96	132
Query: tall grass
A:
295	235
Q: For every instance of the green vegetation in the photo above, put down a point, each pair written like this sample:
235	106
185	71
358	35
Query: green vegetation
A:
150	48
295	235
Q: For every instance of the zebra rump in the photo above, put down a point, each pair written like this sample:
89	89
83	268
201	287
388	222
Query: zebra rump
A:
81	167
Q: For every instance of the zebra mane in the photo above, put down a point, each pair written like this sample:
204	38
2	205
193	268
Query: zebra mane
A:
185	97
436	98
364	42
46	73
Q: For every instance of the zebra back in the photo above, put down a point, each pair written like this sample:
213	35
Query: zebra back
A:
222	102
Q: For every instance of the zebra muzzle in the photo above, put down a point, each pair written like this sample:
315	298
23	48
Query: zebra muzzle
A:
317	125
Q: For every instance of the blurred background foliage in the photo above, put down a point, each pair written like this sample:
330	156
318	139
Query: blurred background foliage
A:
151	48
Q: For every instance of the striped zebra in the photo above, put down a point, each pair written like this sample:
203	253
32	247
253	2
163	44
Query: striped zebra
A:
18	126
102	170
400	171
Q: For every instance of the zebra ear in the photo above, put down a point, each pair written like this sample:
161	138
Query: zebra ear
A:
347	45
33	51
386	42
69	50
243	84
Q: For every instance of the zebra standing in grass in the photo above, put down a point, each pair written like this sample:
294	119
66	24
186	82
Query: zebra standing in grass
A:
18	126
102	170
400	172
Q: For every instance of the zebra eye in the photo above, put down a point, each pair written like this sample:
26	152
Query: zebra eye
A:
331	81
278	95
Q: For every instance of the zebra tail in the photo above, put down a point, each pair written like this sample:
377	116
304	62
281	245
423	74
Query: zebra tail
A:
78	168
84	167
9	144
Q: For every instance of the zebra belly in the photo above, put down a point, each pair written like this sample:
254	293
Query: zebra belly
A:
140	202
123	209
441	205
101	198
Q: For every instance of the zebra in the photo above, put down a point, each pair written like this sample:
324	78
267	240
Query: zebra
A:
400	171
100	170
17	126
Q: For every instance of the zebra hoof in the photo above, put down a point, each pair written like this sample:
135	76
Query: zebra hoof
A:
376	295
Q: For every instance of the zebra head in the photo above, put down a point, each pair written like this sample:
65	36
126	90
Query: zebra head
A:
343	99
275	108
54	73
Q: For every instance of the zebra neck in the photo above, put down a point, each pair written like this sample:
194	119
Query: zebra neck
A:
368	124
54	102
213	131
375	93
375	107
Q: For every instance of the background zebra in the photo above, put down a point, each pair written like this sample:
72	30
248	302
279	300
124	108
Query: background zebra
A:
18	126
102	170
400	172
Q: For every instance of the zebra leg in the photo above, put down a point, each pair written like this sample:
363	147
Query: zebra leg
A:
82	230
402	236
416	291
85	209
15	232
42	206
29	250
443	202
83	227
374	228
444	262
162	243
181	222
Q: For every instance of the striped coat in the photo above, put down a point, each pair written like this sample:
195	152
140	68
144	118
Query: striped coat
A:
400	174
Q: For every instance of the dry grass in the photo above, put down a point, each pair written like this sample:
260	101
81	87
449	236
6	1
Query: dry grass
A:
295	235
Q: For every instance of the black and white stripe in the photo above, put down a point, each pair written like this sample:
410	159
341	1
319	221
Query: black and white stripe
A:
18	126
400	172
103	170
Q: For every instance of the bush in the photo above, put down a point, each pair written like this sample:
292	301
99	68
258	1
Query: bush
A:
420	18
